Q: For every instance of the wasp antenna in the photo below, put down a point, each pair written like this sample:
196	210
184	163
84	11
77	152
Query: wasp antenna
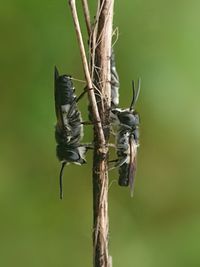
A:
135	93
138	89
132	193
132	188
133	99
56	73
61	180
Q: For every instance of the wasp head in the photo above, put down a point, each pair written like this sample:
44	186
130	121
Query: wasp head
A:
127	118
69	154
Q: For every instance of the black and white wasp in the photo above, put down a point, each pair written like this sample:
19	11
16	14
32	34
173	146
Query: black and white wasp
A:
69	129
125	124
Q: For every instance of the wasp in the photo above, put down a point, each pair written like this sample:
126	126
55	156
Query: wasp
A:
114	82
126	124
68	129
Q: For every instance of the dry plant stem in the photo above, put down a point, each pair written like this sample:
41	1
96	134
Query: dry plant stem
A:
91	94
87	16
100	47
91	33
101	50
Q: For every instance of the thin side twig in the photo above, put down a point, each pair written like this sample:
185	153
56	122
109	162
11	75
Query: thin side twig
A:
91	94
87	15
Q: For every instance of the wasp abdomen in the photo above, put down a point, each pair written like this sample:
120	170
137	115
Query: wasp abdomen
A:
124	175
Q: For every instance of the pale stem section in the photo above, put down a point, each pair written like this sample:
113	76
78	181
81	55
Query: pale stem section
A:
101	49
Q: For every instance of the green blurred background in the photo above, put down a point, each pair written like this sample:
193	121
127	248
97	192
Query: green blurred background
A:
159	41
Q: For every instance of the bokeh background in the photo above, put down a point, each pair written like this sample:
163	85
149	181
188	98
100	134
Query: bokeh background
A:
158	41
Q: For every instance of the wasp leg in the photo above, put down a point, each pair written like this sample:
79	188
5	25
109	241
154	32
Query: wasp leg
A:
110	162
87	145
113	133
119	162
80	96
86	89
87	122
76	99
113	160
91	146
111	145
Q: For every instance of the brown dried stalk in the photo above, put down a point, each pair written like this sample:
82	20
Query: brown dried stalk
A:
101	48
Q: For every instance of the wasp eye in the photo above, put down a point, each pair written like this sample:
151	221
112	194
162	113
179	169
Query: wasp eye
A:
71	155
127	119
137	119
66	153
66	77
115	111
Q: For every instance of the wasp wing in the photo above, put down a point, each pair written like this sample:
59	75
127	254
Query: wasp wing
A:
65	99
132	163
57	97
